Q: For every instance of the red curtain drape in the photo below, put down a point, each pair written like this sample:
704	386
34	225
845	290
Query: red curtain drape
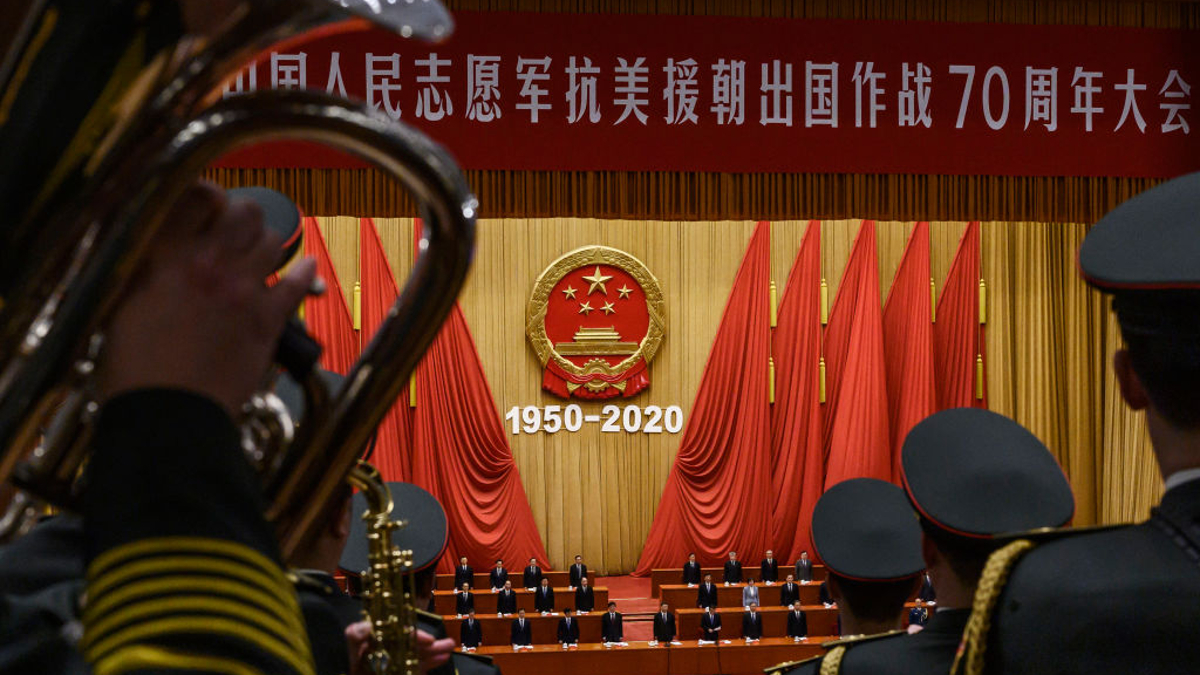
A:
856	416
796	450
714	500
461	455
328	316
908	343
958	337
393	441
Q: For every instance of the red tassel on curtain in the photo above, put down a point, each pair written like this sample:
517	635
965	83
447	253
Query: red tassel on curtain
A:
461	455
958	338
908	343
714	500
856	420
393	441
797	458
328	316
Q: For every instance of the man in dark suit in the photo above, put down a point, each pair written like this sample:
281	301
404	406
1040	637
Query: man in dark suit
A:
927	594
804	568
531	578
710	624
706	593
585	596
823	594
752	623
543	599
464	574
578	571
789	592
470	632
506	600
464	600
522	632
733	569
568	629
797	623
611	626
691	570
498	576
769	569
664	624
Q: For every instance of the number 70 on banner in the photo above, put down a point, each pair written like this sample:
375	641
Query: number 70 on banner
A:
632	419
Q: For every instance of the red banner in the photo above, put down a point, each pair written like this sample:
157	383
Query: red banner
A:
568	92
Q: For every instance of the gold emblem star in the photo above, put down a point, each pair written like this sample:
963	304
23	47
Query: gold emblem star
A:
624	290
585	308
608	308
597	280
569	291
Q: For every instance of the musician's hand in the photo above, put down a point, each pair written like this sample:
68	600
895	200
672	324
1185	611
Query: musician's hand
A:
198	316
432	653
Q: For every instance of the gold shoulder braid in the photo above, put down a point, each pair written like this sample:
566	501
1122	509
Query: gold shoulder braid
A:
832	663
788	665
995	575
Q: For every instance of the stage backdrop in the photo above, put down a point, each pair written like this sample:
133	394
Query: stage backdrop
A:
594	493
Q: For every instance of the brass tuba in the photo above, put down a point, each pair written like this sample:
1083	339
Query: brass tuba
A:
51	332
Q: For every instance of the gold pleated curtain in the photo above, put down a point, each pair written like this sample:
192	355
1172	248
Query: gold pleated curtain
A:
1050	340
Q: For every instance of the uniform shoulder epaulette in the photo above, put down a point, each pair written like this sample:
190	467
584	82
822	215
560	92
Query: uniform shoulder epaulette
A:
304	582
860	639
1048	534
779	668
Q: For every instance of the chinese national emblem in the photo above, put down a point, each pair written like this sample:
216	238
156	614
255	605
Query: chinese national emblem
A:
595	319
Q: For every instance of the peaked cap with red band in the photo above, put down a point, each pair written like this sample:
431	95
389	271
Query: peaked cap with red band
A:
865	529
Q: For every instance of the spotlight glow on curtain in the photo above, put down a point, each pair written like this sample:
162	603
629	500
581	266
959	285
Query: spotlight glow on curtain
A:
797	461
856	416
715	499
908	343
393	443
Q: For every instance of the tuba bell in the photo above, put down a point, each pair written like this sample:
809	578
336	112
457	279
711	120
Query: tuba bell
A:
83	243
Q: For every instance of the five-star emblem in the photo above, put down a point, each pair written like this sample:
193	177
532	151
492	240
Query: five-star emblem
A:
585	308
608	308
597	281
569	291
624	290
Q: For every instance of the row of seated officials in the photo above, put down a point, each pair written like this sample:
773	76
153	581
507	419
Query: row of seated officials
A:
612	628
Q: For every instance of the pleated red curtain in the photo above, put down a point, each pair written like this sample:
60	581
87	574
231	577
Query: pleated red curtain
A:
714	500
958	337
908	343
462	456
857	440
797	457
393	440
328	316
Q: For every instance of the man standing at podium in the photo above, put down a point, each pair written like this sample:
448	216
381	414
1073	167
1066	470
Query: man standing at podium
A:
733	569
706	594
470	633
664	624
543	600
752	623
568	629
531	578
804	568
710	624
611	628
498	576
769	569
464	574
522	632
797	623
789	592
585	597
578	571
691	571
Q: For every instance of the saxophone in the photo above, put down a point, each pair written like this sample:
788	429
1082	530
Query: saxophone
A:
388	590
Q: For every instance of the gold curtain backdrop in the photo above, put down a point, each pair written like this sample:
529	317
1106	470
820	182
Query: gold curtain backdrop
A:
1049	343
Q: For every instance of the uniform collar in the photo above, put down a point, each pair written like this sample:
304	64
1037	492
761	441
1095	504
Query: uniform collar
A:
1180	477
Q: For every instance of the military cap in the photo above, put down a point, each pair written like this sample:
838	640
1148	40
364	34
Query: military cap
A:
865	529
426	533
280	215
978	474
1150	242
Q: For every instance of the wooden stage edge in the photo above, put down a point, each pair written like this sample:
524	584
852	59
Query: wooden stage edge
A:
688	658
